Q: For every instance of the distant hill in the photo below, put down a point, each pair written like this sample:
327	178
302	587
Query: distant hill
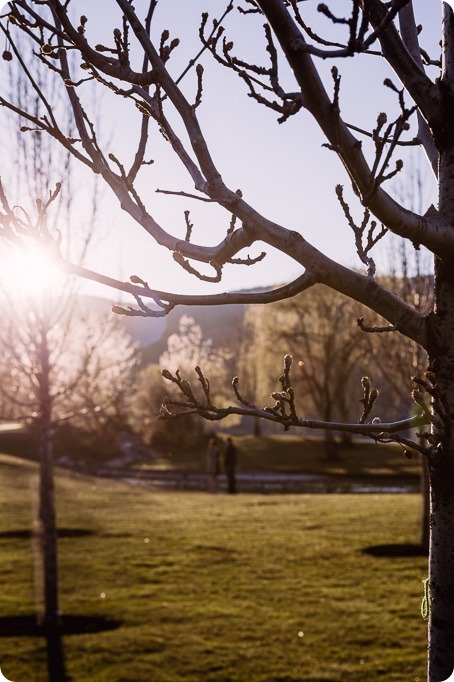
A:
219	323
143	330
222	324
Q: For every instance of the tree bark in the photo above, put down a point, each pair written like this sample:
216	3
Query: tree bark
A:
441	476
425	507
47	515
49	532
441	572
331	447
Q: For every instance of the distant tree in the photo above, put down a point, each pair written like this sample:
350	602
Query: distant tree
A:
410	277
280	71
398	360
401	363
47	348
255	361
41	355
188	351
56	368
144	409
99	403
188	348
323	337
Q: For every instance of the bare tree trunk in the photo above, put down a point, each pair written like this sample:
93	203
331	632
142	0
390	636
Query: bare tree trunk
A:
56	666
257	427
441	476
441	573
331	447
425	507
47	515
346	438
330	443
49	531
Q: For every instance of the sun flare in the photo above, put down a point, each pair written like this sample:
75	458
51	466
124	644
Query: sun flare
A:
29	273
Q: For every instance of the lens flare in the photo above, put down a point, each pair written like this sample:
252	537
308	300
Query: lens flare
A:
29	273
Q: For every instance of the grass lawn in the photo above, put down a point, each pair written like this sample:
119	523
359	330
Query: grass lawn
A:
219	588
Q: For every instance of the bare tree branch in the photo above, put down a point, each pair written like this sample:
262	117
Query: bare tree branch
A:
283	411
409	34
392	215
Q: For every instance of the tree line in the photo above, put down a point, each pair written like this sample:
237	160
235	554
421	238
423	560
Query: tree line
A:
87	370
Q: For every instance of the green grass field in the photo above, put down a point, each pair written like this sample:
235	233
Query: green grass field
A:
284	453
218	588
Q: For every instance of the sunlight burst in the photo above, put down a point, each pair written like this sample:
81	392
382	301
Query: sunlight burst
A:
29	273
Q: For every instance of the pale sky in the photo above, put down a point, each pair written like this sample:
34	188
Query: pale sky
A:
282	170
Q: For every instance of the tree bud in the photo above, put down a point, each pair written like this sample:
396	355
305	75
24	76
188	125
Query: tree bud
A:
135	279
186	387
118	310
389	84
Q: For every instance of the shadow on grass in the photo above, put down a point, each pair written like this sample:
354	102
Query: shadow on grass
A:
27	626
62	533
389	551
305	679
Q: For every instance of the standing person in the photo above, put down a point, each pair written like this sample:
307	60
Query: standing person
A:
213	465
229	466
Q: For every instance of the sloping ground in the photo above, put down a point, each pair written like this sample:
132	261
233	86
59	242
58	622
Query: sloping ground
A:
214	587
